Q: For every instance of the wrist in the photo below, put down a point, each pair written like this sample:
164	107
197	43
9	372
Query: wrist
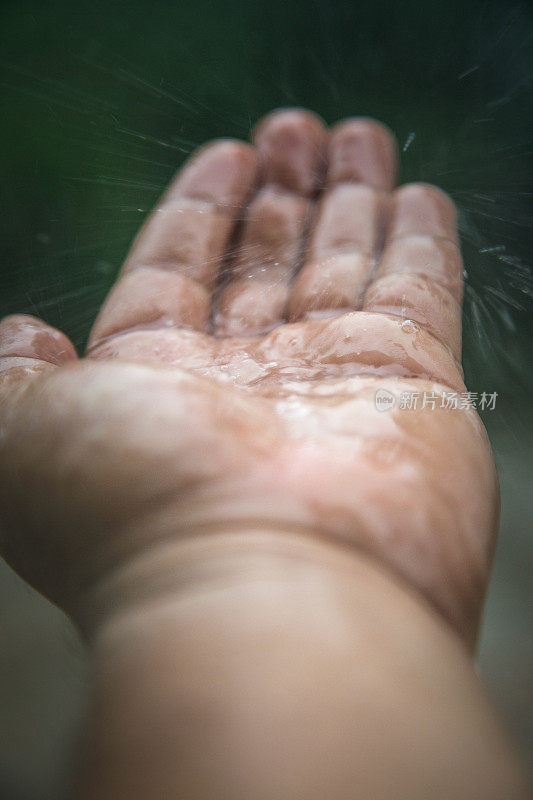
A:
214	557
269	664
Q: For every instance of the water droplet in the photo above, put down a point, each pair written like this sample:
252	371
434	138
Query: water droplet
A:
408	326
410	139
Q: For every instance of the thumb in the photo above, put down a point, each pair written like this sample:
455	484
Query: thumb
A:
24	336
28	346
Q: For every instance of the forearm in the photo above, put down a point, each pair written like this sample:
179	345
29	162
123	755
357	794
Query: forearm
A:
273	666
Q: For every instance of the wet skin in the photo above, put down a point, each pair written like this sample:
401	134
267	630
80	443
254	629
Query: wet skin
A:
213	485
230	377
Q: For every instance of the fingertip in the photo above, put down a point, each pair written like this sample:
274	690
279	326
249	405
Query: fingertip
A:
226	149
369	124
291	148
422	209
220	171
25	336
362	149
289	116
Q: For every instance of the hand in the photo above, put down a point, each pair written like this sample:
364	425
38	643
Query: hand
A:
230	379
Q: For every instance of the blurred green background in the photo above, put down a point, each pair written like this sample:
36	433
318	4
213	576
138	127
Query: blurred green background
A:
101	103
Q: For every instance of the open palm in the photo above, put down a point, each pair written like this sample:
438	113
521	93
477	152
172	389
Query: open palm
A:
280	351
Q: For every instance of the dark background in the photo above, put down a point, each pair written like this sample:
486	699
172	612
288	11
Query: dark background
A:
101	103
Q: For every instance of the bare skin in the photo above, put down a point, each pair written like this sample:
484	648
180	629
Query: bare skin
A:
222	431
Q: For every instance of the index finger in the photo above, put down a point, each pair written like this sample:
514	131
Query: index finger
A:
171	271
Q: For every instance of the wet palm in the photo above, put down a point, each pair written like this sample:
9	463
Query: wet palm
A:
231	377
